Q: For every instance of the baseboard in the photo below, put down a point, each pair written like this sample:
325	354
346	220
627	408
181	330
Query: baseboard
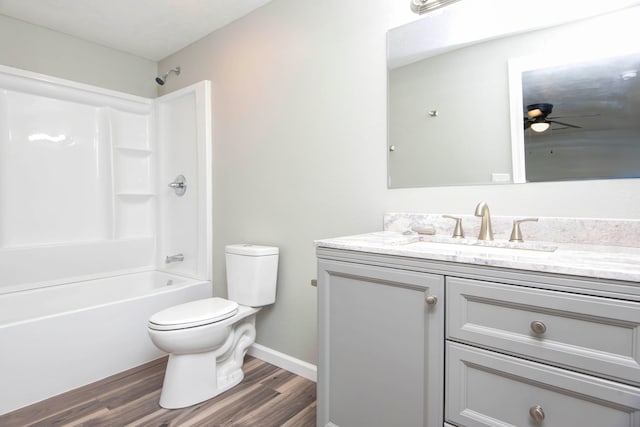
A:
284	361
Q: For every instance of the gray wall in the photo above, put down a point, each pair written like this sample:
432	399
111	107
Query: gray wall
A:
299	116
33	48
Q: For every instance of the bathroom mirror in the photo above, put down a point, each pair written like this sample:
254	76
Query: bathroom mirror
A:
456	117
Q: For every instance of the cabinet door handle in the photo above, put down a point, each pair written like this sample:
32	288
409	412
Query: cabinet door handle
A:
537	413
538	327
431	299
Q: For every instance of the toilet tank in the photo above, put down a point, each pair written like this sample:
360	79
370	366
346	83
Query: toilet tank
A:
252	271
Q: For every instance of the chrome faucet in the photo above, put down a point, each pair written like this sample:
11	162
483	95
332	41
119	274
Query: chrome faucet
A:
174	258
482	210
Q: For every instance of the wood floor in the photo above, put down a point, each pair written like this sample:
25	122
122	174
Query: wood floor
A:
267	397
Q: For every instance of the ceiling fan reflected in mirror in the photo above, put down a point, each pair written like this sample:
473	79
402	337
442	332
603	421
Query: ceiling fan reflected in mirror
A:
538	118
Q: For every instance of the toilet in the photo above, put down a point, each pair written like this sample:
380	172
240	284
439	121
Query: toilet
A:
207	339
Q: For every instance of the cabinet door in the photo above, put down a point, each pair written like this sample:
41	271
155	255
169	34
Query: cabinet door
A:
381	355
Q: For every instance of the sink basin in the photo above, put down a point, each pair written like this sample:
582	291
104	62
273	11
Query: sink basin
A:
484	247
392	238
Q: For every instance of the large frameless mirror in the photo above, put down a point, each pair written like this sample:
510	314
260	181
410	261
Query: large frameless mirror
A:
457	115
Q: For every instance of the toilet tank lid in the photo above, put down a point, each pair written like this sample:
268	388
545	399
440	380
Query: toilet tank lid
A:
251	250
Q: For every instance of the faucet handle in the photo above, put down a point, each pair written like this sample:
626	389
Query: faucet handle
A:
457	231
516	234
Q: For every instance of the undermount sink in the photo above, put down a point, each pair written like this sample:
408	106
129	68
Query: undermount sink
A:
470	246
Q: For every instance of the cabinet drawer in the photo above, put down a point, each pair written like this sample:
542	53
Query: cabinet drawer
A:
595	335
491	389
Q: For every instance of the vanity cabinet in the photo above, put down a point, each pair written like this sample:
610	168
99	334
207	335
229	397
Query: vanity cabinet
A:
381	354
416	342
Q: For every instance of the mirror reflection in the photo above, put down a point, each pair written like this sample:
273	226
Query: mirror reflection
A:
581	119
454	119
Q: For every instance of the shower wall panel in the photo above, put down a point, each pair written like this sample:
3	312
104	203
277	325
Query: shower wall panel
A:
83	181
183	148
77	195
56	178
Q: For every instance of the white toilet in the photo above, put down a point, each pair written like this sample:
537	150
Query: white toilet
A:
207	339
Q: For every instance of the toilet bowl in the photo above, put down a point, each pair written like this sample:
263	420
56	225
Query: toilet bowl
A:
205	359
207	339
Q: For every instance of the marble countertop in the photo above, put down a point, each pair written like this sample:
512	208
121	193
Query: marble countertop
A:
579	259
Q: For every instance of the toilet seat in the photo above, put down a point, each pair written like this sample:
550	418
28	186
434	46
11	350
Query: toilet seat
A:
192	314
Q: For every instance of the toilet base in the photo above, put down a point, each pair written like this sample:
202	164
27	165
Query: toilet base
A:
194	378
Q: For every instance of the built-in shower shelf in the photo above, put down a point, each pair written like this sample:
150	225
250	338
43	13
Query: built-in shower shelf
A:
134	150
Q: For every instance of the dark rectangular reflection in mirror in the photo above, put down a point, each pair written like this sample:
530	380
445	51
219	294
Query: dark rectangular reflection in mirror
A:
601	97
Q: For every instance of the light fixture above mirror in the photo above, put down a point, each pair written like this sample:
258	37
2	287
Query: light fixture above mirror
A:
425	6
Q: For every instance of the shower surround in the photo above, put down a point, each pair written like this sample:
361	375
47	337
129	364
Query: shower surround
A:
84	196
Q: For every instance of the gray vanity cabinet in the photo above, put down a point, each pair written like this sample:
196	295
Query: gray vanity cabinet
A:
381	346
521	348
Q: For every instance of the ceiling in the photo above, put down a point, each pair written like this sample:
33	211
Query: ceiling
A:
151	29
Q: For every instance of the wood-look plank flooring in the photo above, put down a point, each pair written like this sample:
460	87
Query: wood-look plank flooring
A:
267	397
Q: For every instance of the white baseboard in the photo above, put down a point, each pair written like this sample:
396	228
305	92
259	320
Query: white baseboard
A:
284	361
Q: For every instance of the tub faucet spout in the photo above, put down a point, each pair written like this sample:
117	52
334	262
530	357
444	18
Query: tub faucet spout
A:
482	210
174	258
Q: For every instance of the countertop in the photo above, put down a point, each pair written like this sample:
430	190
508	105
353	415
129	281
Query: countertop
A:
586	260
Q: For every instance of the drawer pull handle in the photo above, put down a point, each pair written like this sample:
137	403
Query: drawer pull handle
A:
538	327
537	413
431	299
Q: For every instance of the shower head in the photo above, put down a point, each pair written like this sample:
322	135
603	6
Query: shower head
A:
162	80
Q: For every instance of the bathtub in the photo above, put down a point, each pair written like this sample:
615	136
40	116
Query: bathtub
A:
61	337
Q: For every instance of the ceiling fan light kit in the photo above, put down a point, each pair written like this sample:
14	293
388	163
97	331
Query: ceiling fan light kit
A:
540	126
538	119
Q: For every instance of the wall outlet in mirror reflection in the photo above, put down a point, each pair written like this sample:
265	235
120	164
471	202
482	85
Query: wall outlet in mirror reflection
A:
501	178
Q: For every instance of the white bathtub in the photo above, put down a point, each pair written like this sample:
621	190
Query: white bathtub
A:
58	338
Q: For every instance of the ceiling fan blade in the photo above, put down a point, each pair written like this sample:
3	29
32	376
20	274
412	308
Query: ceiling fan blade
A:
565	124
527	124
571	117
